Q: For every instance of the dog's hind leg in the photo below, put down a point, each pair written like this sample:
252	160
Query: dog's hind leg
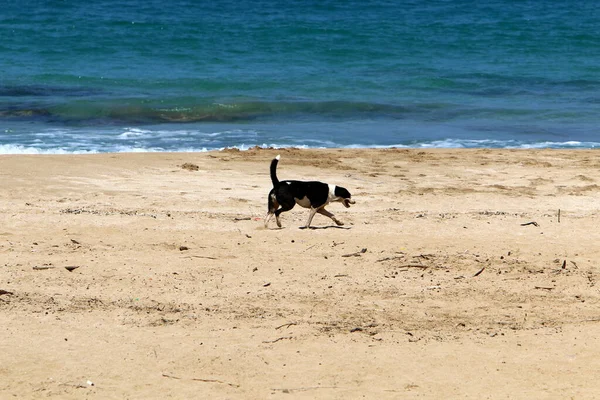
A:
285	201
268	218
326	213
284	207
272	207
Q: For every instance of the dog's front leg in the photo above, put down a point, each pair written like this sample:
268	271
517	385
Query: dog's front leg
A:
326	213
311	214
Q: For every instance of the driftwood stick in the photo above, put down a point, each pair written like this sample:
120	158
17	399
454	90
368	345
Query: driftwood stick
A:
202	380
286	325
208	257
309	247
389	258
278	339
479	272
170	376
304	389
530	223
215	381
357	254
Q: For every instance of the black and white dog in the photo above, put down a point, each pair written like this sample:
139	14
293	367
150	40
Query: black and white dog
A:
308	194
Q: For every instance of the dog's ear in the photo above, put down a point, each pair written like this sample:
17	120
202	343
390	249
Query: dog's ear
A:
342	192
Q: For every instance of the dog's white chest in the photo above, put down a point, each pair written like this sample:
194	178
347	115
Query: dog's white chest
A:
303	202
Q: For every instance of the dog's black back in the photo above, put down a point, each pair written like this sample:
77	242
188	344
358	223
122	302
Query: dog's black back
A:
315	192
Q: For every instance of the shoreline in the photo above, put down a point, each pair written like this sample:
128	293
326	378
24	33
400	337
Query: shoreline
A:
555	146
179	289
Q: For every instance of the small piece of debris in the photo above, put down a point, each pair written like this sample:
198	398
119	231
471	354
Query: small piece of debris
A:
190	167
530	223
71	268
286	325
278	339
42	267
357	254
183	248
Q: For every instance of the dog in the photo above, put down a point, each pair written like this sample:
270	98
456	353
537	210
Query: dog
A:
308	194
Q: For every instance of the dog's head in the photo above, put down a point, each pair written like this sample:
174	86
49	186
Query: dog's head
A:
343	196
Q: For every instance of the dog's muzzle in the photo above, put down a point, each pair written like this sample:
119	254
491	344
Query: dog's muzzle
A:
347	202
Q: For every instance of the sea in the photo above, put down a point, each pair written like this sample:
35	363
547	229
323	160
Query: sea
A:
80	76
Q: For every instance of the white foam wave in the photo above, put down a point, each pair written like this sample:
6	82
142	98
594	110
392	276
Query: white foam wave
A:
16	149
191	144
133	132
562	145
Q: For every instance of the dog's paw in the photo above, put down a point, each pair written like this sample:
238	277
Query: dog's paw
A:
338	222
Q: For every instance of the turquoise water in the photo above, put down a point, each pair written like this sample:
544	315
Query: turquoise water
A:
150	75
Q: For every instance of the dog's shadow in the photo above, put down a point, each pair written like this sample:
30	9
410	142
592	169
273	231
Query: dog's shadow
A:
326	227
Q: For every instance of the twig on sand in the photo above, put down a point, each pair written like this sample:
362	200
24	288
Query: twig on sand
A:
389	258
425	256
530	223
308	248
544	287
414	266
479	272
278	339
357	254
210	258
304	389
215	381
202	380
286	325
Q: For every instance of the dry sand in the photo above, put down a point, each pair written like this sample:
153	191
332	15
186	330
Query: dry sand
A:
434	289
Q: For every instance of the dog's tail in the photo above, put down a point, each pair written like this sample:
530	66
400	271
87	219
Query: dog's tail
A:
274	171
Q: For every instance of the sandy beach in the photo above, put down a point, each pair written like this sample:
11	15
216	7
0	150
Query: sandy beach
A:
458	274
